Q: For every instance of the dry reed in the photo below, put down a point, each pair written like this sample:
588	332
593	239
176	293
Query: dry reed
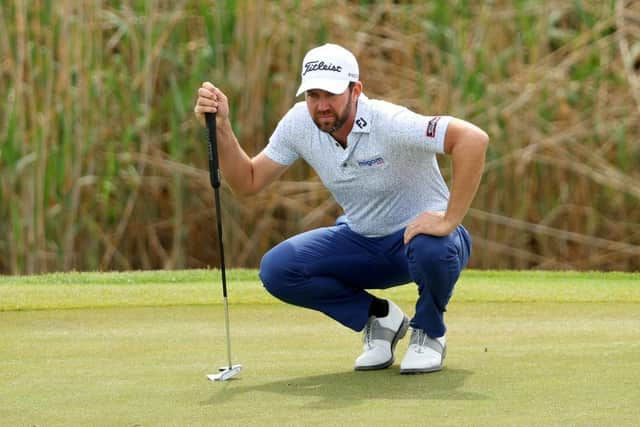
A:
102	166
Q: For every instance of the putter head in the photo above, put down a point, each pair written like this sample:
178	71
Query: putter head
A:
226	373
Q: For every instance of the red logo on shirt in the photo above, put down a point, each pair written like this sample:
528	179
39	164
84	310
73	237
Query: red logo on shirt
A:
431	127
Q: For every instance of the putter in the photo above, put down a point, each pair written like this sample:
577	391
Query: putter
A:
225	372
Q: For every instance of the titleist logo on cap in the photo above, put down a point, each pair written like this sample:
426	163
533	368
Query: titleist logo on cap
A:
320	66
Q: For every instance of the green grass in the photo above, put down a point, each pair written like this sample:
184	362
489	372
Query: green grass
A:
133	349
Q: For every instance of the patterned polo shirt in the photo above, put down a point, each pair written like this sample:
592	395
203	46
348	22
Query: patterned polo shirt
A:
388	173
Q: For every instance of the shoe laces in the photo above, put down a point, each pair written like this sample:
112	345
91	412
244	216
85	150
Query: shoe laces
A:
419	339
367	336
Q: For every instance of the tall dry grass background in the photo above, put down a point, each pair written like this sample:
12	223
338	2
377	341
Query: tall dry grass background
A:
103	167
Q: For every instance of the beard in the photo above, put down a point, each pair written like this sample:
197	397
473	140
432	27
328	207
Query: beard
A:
337	122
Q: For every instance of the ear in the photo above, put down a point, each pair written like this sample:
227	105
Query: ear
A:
357	90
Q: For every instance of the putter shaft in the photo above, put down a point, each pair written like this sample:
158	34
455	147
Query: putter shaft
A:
214	175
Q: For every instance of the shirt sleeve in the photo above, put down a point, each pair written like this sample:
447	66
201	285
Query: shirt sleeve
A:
419	131
281	147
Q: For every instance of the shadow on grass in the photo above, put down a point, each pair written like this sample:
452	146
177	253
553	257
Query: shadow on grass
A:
343	389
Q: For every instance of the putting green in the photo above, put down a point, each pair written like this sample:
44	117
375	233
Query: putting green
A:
524	349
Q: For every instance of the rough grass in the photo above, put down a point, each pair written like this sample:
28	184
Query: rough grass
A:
535	349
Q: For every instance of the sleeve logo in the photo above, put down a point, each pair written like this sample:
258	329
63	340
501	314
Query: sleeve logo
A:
431	127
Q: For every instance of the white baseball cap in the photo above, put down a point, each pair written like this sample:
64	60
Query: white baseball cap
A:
328	67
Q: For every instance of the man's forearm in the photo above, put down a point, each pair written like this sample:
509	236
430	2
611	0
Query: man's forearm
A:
235	164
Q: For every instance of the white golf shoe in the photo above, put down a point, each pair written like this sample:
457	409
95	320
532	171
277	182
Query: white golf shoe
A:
380	336
424	354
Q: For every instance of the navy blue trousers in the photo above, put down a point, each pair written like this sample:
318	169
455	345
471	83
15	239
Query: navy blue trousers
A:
329	270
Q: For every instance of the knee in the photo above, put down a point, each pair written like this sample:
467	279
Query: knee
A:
276	269
270	270
427	250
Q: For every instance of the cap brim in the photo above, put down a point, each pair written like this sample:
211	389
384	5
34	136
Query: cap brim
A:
330	85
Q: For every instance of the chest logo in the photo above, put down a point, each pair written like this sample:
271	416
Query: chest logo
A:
361	123
378	161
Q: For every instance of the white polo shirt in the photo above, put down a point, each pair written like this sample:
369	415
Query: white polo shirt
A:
388	173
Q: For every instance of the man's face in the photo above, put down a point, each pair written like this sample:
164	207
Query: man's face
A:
328	111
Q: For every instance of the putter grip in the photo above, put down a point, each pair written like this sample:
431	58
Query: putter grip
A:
214	171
